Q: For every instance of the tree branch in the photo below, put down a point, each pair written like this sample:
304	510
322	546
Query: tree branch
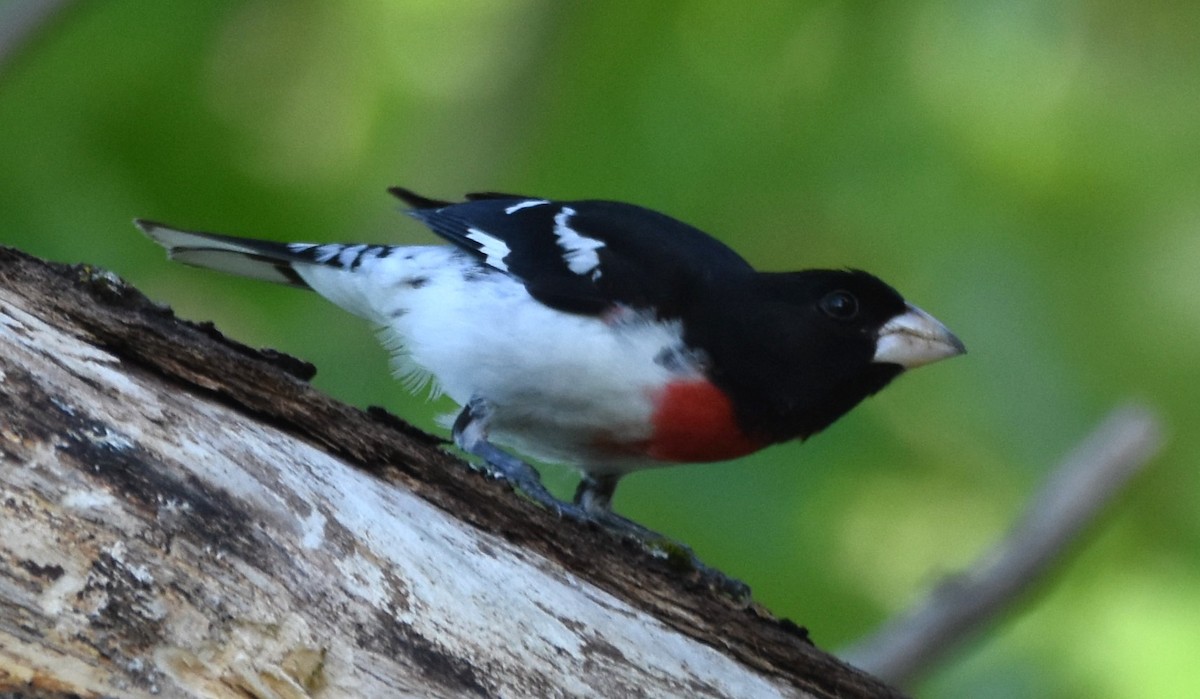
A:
1077	490
21	20
183	515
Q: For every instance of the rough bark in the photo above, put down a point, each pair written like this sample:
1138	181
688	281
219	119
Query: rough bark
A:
181	515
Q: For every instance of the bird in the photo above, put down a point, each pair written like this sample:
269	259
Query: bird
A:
600	335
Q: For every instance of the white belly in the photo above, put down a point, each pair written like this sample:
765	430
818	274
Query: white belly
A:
565	387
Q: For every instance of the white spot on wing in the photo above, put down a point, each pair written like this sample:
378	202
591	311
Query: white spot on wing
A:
510	210
301	247
579	252
492	247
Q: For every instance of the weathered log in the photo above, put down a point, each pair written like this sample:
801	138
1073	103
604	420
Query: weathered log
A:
183	515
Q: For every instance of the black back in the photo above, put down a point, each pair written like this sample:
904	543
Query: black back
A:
647	260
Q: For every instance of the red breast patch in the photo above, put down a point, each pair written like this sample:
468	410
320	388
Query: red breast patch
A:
694	422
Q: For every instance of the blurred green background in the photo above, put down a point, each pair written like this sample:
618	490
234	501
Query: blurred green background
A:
1026	171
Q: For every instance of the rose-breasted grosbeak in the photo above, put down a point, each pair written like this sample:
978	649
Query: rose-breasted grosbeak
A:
602	335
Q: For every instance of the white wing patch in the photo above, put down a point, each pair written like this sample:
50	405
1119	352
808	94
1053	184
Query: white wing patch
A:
579	251
510	210
494	249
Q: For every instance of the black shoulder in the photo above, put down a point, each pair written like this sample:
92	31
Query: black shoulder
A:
583	256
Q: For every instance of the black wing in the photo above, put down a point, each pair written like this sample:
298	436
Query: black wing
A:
583	256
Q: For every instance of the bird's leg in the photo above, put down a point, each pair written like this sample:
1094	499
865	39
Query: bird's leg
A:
594	496
593	500
470	434
595	492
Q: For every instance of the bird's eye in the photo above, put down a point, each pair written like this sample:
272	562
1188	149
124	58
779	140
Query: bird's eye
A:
840	305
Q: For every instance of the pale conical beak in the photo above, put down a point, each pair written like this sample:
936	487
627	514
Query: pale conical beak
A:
914	339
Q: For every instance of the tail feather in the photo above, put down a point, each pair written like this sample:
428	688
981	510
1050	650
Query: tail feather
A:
363	279
256	259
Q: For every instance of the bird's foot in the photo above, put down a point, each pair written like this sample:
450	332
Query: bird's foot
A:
525	480
594	495
470	434
591	505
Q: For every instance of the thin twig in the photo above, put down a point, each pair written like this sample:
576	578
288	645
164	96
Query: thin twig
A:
20	21
1077	490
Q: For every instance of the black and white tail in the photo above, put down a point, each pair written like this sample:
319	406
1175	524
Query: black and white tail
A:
368	280
257	259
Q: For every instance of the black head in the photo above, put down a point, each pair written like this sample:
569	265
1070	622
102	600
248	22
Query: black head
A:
811	345
836	312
